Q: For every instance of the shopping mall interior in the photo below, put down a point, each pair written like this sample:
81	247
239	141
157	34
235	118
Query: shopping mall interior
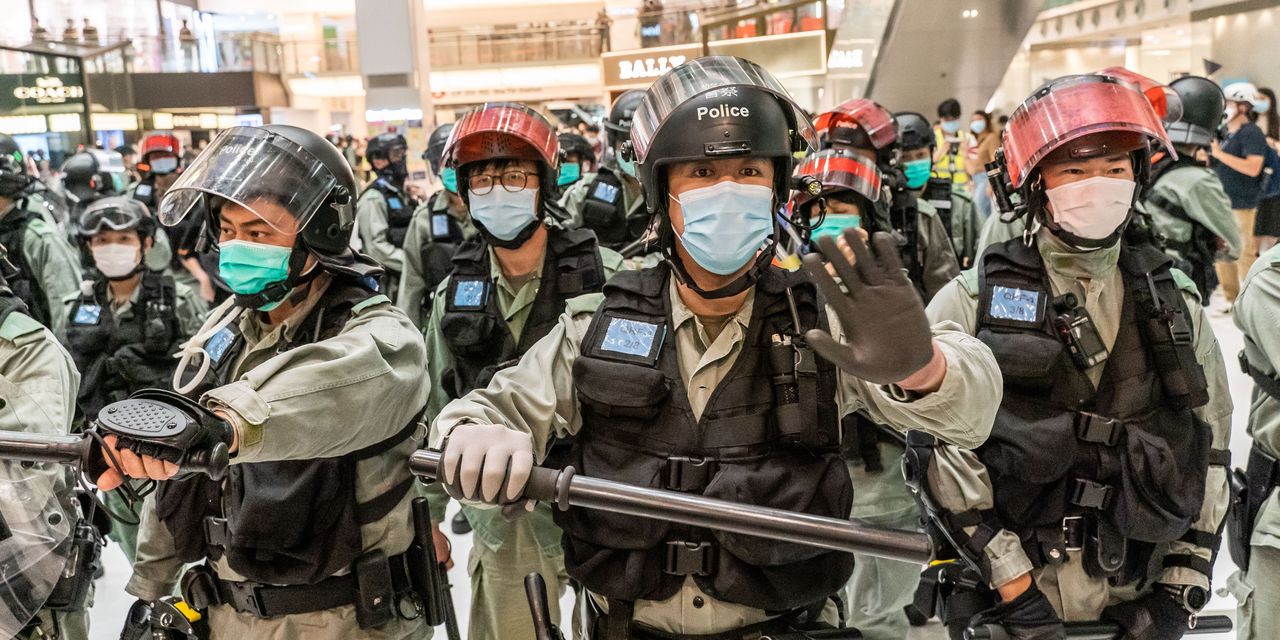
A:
77	74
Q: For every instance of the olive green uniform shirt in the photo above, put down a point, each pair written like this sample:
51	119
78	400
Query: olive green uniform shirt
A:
1258	316
1199	192
372	223
53	262
576	195
537	396
319	400
934	251
966	225
960	481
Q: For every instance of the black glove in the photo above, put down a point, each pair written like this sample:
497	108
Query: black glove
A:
1027	617
163	425
886	334
1155	616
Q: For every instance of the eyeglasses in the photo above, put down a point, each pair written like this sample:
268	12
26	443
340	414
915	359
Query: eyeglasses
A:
482	183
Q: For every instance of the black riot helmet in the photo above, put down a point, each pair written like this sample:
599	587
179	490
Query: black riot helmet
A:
914	131
716	107
92	174
618	124
13	168
435	147
393	148
299	172
1202	107
574	143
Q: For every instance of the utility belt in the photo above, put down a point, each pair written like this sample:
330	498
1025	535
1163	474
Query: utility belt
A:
1250	488
797	624
380	588
861	438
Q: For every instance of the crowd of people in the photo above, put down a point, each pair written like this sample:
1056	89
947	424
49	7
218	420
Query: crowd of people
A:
989	333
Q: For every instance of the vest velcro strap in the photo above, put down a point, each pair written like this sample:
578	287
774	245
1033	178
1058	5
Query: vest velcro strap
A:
1268	384
689	474
1201	539
1220	457
216	532
690	558
375	509
1099	429
1090	494
1195	563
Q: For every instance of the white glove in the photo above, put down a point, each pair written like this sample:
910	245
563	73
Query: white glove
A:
486	462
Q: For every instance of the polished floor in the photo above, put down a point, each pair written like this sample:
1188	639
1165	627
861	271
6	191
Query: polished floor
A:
112	602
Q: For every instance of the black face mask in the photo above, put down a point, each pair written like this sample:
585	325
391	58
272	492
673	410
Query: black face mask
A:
396	172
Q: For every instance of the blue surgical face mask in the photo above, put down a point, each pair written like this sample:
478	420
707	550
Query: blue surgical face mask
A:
726	224
835	224
951	126
917	172
449	177
626	166
504	213
250	267
978	126
1261	105
570	172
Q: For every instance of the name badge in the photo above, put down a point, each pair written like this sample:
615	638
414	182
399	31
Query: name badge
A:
218	346
440	225
470	295
87	314
1015	305
605	192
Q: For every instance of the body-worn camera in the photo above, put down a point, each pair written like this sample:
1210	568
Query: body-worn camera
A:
1075	328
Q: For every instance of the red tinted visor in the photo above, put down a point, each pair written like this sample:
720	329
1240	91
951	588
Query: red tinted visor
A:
838	171
1071	107
864	113
1166	102
501	130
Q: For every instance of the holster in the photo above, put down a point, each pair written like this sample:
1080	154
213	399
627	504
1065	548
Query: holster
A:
1250	488
71	593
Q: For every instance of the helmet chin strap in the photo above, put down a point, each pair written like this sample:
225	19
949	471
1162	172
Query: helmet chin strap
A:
278	291
514	243
738	285
1089	244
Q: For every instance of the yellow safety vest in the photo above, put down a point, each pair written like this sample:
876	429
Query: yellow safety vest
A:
952	166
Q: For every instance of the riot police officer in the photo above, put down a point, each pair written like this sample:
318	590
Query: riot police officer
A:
314	381
15	174
1102	489
578	160
127	321
866	129
385	208
667	378
1255	518
40	381
160	164
1188	207
47	268
439	225
508	288
611	202
955	207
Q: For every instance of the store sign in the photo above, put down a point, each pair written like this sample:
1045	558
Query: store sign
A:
639	67
48	90
846	59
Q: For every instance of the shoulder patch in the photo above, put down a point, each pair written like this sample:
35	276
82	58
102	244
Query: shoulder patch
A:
969	280
585	304
18	325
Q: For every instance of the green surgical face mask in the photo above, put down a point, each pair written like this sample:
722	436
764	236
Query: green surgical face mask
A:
835	224
917	172
250	267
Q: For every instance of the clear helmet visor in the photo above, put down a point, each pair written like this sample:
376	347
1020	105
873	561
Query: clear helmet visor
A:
697	78
264	172
35	530
1073	107
842	171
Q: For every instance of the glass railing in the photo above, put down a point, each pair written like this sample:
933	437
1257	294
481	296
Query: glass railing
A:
229	52
320	56
512	45
721	20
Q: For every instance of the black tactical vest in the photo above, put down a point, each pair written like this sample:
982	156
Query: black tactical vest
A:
473	326
436	256
604	211
28	288
638	428
117	360
399	210
145	192
1127	458
288	522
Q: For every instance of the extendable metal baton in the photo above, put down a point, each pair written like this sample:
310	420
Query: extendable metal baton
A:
566	488
78	450
1099	630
